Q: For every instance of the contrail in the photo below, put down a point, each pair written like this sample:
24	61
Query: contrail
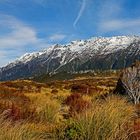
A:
80	13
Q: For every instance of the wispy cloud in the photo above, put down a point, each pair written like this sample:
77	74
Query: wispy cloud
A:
57	37
83	5
110	9
18	33
17	38
5	57
120	24
112	19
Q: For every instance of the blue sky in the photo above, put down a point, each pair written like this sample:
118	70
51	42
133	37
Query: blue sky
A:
32	25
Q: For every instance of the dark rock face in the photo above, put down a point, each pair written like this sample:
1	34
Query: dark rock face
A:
129	83
120	89
94	54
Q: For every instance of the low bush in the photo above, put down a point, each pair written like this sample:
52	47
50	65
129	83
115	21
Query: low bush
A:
80	88
54	91
17	131
135	130
77	104
105	121
50	112
16	113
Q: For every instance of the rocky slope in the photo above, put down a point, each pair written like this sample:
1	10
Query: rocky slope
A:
92	54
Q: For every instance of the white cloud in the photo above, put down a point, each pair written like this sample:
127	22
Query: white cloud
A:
57	37
116	24
112	19
17	39
3	57
18	34
110	9
80	13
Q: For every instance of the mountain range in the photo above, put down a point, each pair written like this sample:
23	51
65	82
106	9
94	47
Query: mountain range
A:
97	53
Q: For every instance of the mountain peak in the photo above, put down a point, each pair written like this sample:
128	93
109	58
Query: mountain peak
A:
95	53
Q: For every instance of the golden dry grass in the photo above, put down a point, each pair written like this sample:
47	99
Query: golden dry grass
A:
40	111
104	121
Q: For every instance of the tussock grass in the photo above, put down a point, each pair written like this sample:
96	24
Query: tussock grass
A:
88	113
50	112
105	121
17	131
48	109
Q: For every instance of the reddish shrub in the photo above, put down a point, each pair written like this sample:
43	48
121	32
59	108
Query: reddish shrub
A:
135	131
77	103
7	90
19	98
17	113
82	88
4	105
16	106
54	91
72	98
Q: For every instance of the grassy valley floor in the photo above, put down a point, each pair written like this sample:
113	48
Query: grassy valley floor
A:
83	108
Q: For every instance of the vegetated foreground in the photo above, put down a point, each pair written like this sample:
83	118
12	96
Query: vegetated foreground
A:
84	108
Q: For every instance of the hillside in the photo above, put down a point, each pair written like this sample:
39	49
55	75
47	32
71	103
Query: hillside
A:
97	53
75	109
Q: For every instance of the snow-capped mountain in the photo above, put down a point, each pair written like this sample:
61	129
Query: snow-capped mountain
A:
96	53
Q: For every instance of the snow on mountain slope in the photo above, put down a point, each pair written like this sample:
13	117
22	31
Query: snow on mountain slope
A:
93	45
75	56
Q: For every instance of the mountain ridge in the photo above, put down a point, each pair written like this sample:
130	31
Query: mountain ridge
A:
101	53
